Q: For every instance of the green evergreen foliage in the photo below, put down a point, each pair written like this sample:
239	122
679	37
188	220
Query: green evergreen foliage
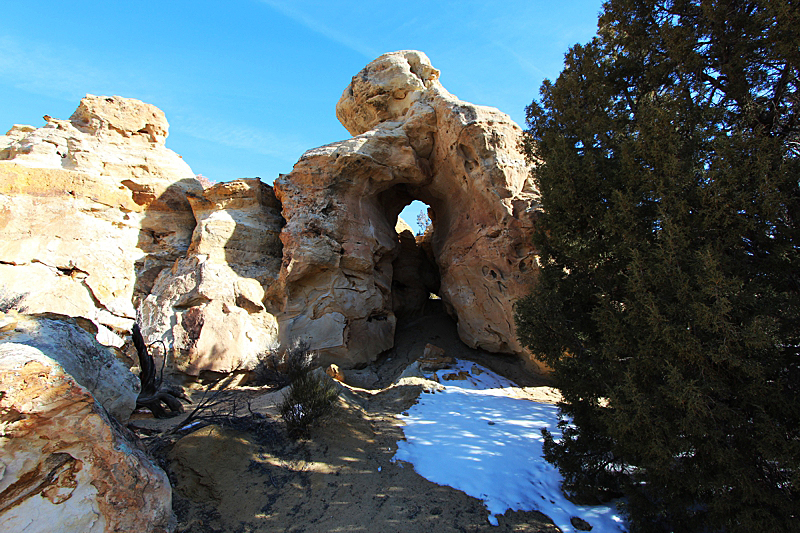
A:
668	302
311	396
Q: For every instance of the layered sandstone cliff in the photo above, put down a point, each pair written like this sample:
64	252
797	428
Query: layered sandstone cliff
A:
91	210
99	219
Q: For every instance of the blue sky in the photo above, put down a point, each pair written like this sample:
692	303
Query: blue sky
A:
249	85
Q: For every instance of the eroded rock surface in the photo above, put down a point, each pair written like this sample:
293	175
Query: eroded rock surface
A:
415	276
71	343
209	307
65	464
98	219
91	210
412	140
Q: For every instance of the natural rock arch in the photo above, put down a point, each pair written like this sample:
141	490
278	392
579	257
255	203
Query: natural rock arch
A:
206	270
415	275
412	139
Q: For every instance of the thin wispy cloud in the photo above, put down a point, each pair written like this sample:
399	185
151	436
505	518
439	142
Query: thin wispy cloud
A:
523	61
39	69
255	140
42	70
318	27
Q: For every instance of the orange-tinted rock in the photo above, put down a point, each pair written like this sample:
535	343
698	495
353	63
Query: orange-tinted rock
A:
414	140
434	358
71	343
462	375
335	372
65	464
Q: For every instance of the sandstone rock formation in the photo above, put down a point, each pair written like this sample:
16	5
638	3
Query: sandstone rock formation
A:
412	140
65	464
71	343
99	219
91	210
209	306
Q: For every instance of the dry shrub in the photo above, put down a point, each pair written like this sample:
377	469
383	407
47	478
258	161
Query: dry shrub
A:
312	395
9	301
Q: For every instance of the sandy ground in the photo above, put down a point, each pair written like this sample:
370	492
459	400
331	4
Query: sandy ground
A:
341	478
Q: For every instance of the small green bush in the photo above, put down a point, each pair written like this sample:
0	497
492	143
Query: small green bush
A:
270	370
311	395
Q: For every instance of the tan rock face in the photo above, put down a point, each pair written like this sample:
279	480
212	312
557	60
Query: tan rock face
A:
91	210
413	140
385	90
124	116
64	463
434	358
98	219
209	307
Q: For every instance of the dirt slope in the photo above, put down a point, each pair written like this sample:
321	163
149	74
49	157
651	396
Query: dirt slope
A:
342	478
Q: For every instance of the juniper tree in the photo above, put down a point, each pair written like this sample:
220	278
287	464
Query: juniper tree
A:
668	302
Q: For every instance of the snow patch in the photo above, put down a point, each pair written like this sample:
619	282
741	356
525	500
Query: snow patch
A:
477	437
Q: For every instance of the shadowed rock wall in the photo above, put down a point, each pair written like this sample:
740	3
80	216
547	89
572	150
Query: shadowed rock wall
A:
209	307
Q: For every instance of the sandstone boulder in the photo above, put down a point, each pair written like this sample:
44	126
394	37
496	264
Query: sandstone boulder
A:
434	358
209	307
65	464
402	226
413	140
363	379
109	115
461	375
91	210
335	372
71	343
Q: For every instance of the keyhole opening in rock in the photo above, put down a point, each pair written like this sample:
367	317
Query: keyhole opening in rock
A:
415	278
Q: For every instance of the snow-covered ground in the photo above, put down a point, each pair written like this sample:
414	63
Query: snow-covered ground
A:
476	437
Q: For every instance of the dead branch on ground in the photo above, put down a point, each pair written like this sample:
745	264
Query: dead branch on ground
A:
155	391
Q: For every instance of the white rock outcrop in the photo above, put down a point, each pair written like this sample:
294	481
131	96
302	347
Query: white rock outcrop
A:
65	463
91	210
